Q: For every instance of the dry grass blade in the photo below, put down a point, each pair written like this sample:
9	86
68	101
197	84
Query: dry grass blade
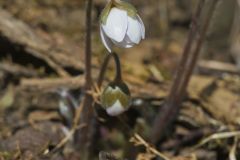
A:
215	136
232	153
72	130
138	140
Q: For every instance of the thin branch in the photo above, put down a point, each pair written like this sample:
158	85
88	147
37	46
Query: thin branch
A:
50	84
184	72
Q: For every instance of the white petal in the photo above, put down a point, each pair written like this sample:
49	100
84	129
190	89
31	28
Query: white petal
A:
106	41
116	25
126	43
115	109
142	26
134	31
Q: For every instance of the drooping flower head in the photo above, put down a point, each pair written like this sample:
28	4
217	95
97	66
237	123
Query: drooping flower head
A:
121	25
116	98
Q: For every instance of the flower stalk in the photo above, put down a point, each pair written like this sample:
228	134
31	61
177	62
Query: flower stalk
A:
188	61
84	136
118	74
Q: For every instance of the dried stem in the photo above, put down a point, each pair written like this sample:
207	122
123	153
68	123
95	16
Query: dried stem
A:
184	72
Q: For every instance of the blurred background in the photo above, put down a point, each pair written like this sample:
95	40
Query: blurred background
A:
42	49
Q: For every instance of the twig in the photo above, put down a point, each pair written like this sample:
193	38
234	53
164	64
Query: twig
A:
18	70
51	84
217	68
184	72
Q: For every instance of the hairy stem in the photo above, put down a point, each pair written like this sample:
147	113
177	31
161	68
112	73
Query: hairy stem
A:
118	74
88	46
84	135
103	70
184	72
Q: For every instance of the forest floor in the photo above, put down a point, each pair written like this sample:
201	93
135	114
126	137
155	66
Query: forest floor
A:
42	56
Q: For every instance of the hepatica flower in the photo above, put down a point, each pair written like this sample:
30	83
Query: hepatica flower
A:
116	98
120	25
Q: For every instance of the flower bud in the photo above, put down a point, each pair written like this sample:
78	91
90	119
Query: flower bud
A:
121	25
116	98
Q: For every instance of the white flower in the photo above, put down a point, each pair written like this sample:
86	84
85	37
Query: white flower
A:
116	98
115	109
121	25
